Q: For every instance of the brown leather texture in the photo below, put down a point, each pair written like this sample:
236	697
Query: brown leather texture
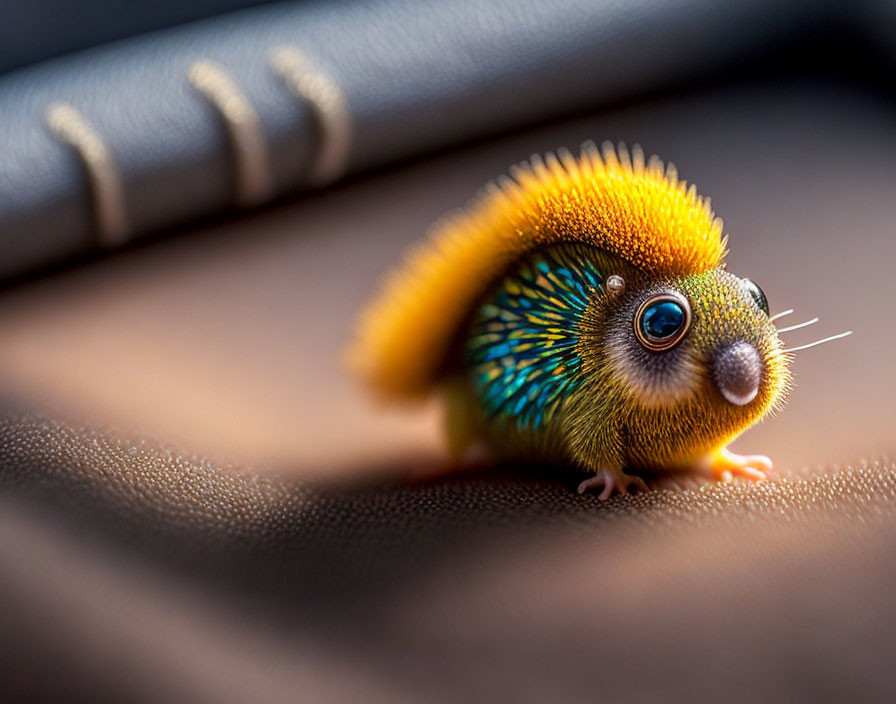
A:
199	504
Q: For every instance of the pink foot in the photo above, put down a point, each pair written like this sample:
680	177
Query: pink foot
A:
724	465
611	480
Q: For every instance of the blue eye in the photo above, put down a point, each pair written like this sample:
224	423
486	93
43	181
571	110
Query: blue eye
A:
662	320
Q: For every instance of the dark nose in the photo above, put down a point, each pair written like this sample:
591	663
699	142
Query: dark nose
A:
737	371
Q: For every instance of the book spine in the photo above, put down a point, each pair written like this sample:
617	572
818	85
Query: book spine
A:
145	134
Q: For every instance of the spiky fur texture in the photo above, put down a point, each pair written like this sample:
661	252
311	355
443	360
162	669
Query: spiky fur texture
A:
638	211
632	407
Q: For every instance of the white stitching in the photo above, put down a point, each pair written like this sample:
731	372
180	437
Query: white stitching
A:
254	183
69	126
329	105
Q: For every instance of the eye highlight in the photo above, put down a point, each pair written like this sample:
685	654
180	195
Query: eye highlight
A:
757	294
662	321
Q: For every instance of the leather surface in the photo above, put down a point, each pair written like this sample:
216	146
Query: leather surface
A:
192	501
181	580
417	75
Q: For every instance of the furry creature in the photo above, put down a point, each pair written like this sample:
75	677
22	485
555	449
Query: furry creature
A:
581	312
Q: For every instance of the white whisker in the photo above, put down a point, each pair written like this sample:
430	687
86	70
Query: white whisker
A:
797	327
780	315
818	342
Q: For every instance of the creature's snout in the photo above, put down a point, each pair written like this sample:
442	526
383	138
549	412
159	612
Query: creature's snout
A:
737	371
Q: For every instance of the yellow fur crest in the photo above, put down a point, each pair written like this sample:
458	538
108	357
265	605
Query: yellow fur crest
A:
637	211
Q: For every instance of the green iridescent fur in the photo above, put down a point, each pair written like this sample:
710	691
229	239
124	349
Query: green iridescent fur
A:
523	345
555	370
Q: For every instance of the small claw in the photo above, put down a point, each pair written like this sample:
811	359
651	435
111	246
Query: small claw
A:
612	480
725	465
